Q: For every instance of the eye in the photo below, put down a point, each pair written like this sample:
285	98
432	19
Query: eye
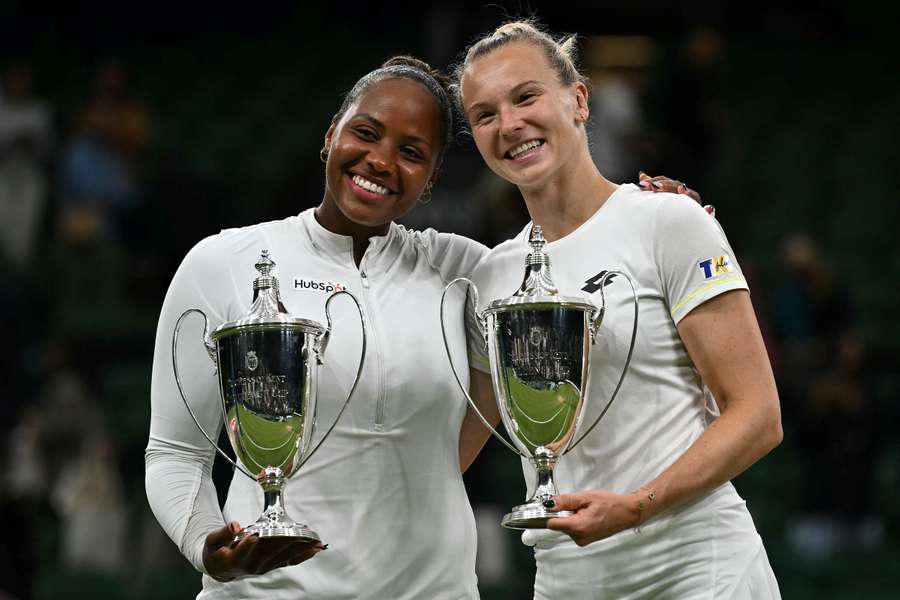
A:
365	133
483	117
412	154
524	97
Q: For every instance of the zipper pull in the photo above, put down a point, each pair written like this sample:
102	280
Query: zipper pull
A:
365	279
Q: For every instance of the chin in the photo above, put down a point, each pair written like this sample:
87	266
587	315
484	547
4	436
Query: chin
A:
368	216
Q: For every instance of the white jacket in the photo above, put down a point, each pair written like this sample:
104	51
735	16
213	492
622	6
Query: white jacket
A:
385	490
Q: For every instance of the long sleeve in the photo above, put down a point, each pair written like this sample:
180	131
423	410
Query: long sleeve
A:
178	457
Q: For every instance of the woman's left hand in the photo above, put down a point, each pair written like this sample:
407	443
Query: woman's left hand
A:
661	183
598	515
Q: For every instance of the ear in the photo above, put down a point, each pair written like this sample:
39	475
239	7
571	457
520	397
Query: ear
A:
581	102
329	135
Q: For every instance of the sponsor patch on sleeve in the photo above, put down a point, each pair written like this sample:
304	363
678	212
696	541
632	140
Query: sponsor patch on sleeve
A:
715	266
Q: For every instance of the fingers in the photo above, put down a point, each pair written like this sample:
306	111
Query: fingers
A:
569	502
222	536
661	183
291	553
647	183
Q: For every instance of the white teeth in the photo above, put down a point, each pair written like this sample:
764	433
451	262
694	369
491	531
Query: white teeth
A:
524	148
370	185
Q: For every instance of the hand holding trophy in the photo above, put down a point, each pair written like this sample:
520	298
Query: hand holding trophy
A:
539	347
267	370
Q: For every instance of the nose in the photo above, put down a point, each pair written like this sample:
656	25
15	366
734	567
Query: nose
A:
379	159
510	123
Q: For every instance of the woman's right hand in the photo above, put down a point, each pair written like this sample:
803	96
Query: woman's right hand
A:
225	561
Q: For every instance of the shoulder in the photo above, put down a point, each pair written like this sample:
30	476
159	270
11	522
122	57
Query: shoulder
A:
215	251
437	241
451	254
502	255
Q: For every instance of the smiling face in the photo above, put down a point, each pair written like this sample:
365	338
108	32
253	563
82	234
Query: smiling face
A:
381	154
526	124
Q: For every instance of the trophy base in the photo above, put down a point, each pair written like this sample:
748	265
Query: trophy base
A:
298	532
531	516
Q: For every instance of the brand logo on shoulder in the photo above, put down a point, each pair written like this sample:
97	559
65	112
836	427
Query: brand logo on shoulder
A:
322	286
717	265
593	284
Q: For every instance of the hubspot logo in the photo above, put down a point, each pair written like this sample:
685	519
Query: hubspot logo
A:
324	286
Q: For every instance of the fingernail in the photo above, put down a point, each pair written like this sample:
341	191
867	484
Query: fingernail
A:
656	184
642	183
710	209
325	547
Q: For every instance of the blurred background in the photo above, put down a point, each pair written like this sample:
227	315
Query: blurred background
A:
130	131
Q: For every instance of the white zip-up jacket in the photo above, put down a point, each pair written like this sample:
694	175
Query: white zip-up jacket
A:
384	490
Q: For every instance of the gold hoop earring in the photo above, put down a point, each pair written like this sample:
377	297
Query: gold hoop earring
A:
425	197
323	154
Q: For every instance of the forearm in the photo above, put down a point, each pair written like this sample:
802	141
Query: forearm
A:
723	340
731	444
474	434
182	496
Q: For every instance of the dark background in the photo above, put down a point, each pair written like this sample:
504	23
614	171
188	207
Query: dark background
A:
129	132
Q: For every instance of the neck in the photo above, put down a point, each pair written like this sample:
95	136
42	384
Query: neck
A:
331	218
570	197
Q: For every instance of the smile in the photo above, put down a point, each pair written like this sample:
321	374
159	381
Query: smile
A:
370	186
524	149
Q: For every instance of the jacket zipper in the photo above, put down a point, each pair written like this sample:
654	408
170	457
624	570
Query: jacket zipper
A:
376	346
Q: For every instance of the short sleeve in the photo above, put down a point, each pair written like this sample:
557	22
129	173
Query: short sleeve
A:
694	260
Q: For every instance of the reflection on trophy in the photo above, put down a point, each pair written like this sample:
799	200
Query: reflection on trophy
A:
539	346
267	367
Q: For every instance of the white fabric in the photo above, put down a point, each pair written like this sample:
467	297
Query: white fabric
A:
663	243
384	491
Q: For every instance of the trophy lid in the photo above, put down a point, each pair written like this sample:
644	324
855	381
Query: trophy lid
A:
537	287
267	310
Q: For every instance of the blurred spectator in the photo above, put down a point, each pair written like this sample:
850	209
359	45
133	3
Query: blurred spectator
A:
688	108
618	68
98	170
26	137
827	404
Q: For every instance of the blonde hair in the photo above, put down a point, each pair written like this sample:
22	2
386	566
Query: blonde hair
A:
561	52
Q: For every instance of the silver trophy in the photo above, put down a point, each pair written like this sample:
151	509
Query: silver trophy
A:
539	346
267	366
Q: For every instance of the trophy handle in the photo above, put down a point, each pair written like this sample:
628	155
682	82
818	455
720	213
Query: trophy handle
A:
595	328
211	351
482	322
319	349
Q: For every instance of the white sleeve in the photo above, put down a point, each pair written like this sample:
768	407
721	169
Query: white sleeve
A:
178	457
477	348
694	260
452	255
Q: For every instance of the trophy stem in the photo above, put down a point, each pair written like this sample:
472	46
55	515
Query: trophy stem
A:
274	521
534	513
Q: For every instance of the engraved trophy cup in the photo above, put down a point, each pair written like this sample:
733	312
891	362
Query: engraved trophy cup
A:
539	347
266	364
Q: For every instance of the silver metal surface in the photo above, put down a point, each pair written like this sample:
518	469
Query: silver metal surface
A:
267	373
539	348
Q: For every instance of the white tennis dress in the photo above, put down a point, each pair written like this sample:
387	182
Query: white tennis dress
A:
385	490
678	258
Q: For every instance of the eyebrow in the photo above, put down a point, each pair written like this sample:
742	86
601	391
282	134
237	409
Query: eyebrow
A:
513	91
380	125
